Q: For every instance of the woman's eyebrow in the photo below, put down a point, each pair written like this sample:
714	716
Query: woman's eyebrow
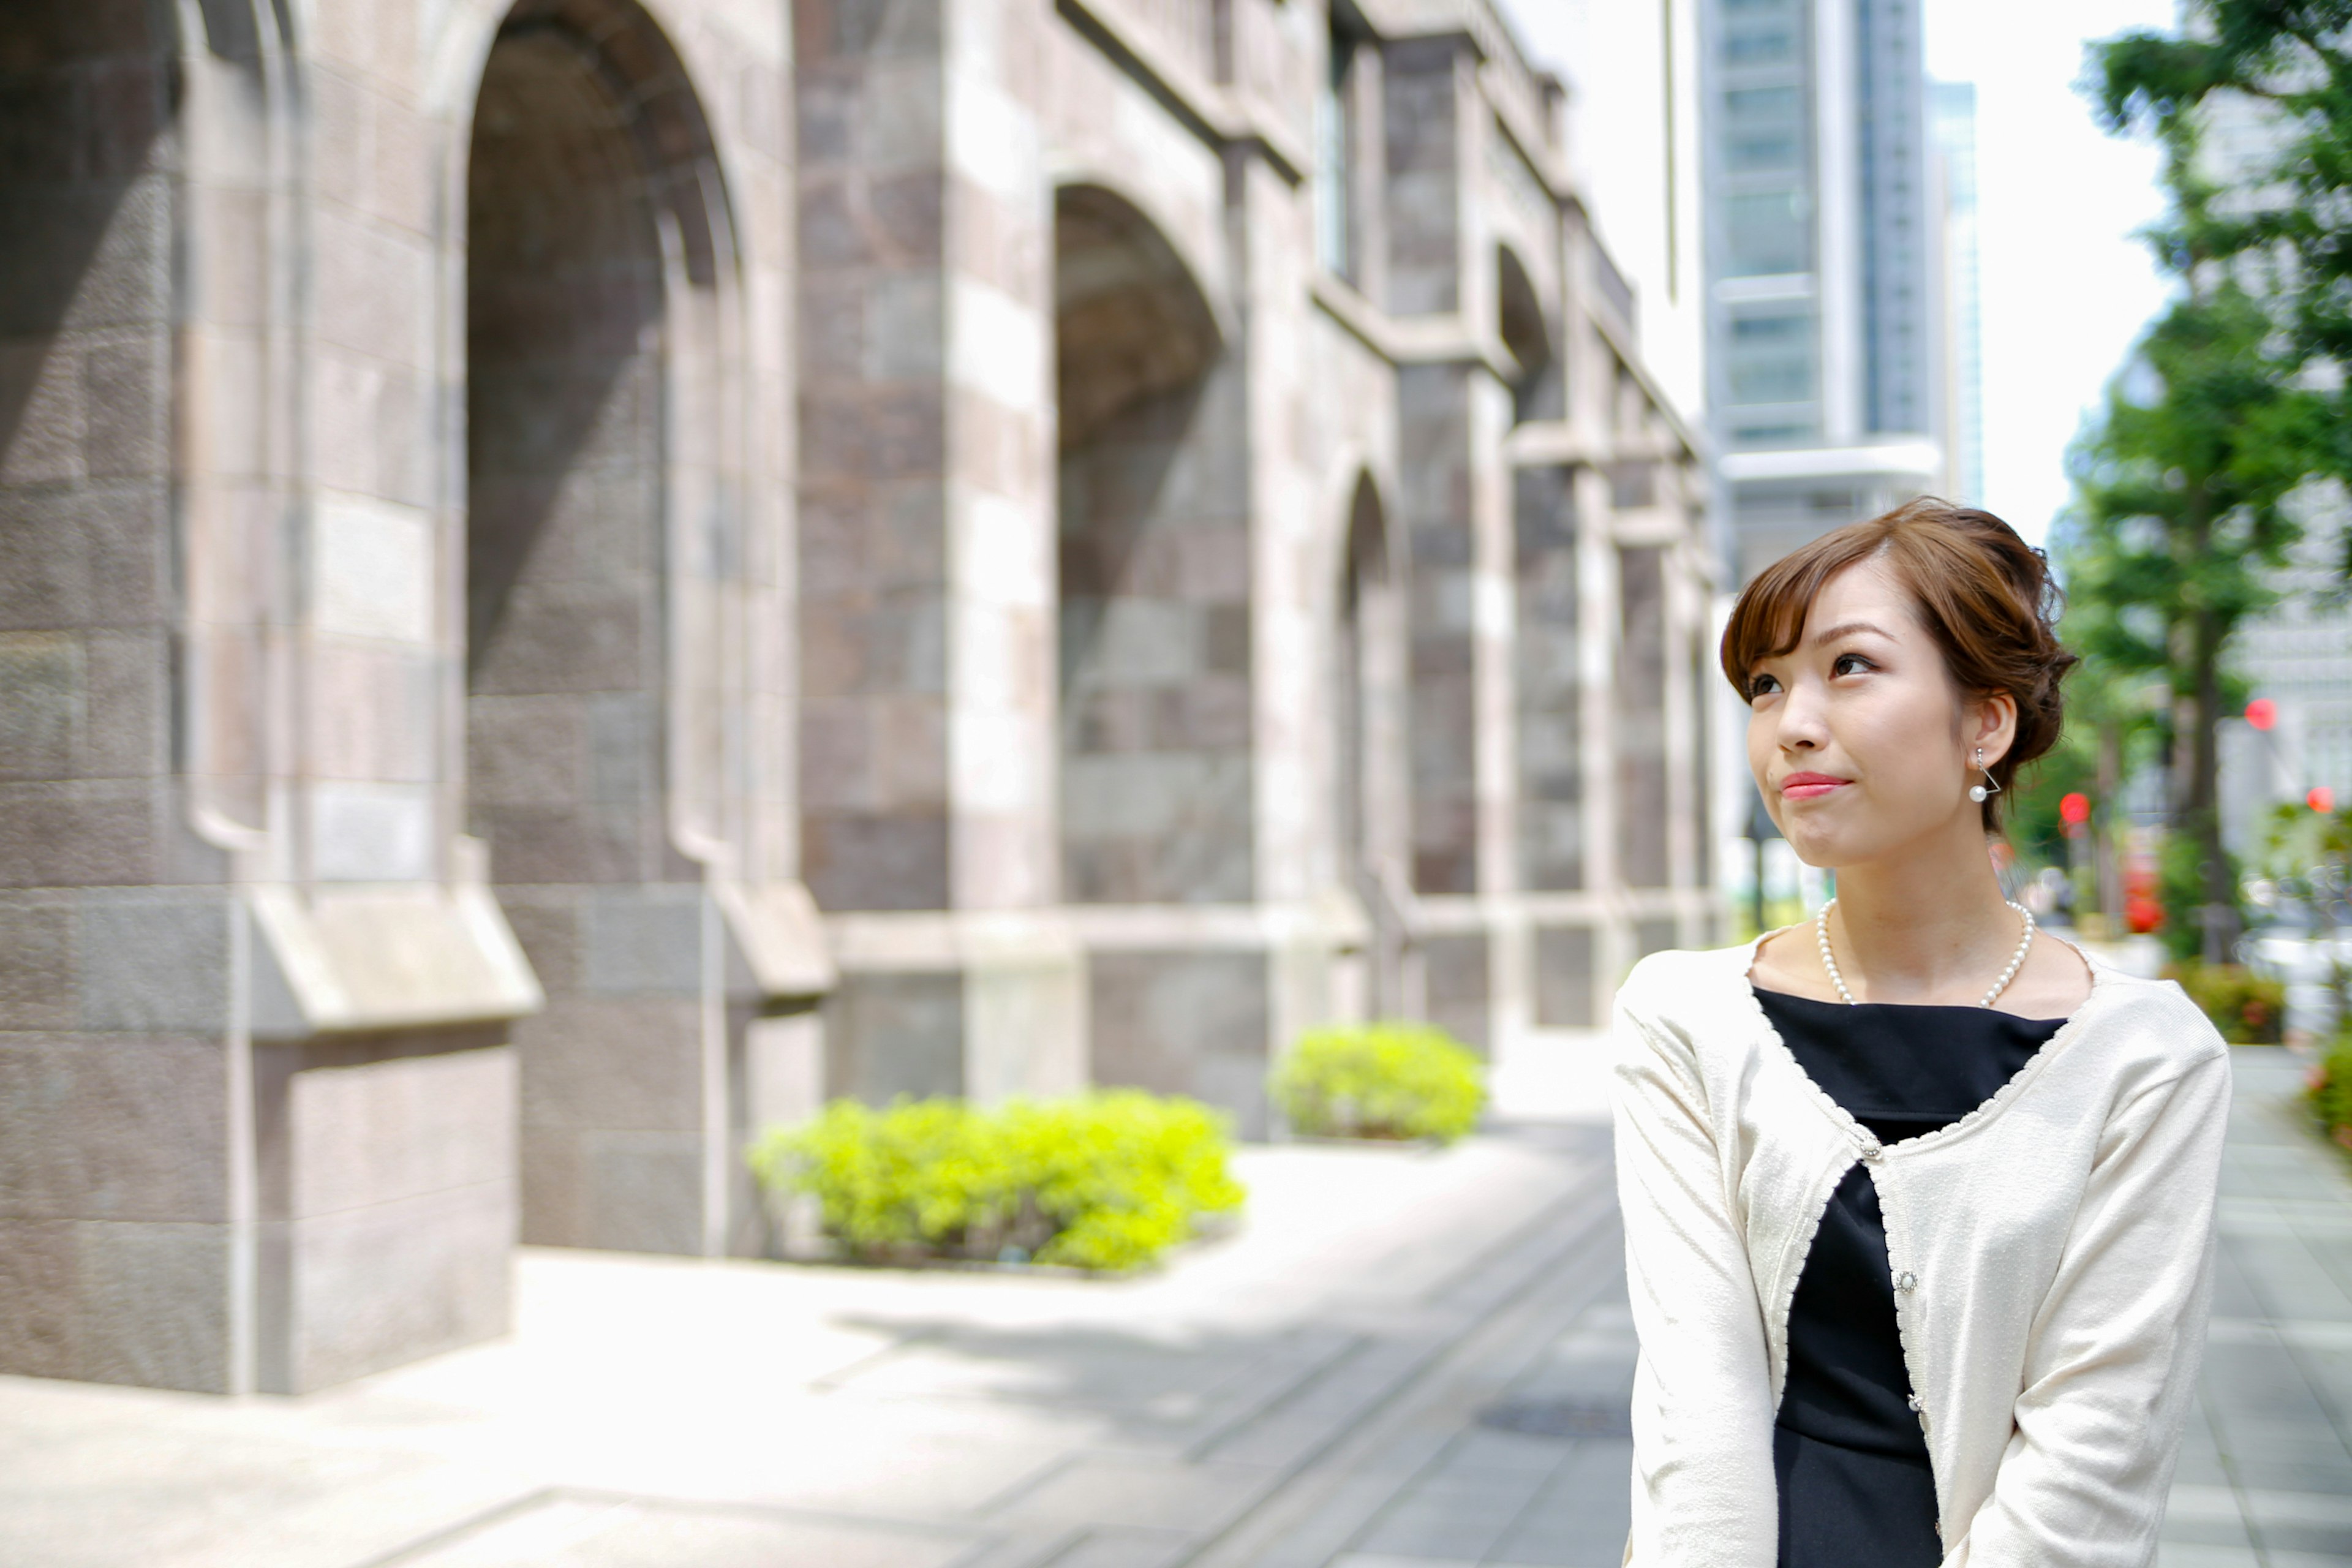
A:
1843	628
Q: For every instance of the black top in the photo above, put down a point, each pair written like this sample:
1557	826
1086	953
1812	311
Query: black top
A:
1848	1451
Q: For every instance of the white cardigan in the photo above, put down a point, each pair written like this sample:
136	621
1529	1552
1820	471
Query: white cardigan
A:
2053	1256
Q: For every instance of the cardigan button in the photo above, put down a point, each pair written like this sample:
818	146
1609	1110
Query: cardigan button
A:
1906	1281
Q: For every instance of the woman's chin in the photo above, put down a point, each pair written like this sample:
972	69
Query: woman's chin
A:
1821	851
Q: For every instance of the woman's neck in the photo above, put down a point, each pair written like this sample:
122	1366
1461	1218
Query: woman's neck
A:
1928	926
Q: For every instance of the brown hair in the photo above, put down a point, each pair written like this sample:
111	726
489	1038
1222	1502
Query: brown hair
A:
1984	594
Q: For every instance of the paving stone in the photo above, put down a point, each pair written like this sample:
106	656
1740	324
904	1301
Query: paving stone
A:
1194	1499
2205	1515
1127	1549
602	1533
2176	1554
1580	1518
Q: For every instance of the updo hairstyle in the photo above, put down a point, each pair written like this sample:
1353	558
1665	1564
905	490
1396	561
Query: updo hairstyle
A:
1985	594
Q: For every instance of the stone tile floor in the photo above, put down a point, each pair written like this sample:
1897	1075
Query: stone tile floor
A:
1403	1359
2266	1475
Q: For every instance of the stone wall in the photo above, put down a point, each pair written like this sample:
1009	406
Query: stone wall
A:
579	576
114	1258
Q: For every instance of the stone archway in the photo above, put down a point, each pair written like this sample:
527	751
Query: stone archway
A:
597	255
1154	597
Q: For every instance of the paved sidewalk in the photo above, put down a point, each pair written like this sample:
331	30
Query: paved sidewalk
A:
1404	1360
2266	1475
650	1413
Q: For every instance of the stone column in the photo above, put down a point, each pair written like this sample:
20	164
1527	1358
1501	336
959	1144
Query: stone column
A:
1454	411
926	563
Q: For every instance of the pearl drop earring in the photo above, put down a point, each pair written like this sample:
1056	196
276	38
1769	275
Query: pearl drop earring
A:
1990	786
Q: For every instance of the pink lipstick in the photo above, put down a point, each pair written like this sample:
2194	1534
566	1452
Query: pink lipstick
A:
1810	786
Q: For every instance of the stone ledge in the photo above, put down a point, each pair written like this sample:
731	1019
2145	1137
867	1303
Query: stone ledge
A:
383	958
777	943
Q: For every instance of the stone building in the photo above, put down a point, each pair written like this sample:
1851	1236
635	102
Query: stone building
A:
577	575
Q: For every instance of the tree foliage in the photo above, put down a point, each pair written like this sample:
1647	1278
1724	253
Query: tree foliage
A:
2252	103
2180	523
2234	399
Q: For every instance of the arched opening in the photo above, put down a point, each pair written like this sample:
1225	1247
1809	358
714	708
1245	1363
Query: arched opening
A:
1154	560
1368	699
87	200
1522	325
591	257
563	404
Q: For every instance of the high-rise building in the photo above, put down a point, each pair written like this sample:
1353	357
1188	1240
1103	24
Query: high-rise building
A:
1952	132
1826	385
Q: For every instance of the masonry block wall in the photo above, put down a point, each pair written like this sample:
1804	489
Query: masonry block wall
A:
580	576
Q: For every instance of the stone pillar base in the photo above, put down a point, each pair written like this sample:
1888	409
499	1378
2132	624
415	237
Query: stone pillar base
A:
977	1004
387	1201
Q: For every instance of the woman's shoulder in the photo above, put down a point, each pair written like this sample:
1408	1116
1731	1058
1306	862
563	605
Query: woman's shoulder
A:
1679	983
2149	1020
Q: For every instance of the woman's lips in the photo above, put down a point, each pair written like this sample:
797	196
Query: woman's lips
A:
1810	786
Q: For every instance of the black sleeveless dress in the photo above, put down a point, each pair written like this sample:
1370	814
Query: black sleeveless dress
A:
1847	1450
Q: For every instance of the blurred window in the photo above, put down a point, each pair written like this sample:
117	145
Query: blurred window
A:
1766	232
1335	134
1770	358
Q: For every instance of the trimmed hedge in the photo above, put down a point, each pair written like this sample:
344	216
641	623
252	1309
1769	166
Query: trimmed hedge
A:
1104	1181
2248	1009
1392	1079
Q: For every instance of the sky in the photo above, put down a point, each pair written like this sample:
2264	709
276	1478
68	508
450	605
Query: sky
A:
2066	288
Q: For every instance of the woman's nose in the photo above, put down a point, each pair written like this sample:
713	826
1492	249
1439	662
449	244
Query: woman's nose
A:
1800	720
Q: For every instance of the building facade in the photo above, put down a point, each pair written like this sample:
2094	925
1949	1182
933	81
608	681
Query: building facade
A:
1958	291
1823	255
579	576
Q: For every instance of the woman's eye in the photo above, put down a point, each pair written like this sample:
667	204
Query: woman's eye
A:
1848	663
1757	685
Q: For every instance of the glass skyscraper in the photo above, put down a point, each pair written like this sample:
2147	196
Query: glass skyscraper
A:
1830	380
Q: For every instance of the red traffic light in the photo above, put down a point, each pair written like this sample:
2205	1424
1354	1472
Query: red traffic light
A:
2261	712
2321	799
2073	808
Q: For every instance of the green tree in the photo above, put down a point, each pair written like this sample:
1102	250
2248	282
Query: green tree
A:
2177	524
2275	214
2309	858
2232	401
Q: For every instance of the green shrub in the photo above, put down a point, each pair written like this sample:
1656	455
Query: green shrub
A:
2248	1009
1104	1180
2330	1090
1380	1080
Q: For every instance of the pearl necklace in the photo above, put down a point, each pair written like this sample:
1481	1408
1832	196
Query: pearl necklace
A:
1821	934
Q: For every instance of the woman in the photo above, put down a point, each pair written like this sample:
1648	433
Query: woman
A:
1918	1201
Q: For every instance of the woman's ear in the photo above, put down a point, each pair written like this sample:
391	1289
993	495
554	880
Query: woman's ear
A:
1992	724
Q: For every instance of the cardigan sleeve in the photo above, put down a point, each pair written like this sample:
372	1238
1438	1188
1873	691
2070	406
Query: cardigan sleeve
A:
2112	1359
1703	1485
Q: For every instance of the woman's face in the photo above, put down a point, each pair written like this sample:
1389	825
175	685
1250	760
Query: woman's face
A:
1857	736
